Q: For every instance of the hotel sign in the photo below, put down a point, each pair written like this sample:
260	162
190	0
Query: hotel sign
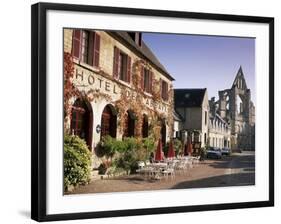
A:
86	80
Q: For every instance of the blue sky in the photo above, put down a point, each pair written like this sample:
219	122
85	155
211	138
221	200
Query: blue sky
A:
205	61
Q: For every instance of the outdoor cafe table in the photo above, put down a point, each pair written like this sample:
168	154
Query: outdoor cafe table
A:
159	165
157	169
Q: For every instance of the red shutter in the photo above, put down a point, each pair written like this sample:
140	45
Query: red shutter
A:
142	78
166	91
128	69
161	86
150	81
115	62
96	53
76	43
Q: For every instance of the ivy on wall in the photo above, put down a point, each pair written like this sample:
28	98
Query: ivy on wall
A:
139	108
125	102
69	90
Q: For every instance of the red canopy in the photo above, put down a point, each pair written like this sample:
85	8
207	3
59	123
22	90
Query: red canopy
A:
171	152
159	153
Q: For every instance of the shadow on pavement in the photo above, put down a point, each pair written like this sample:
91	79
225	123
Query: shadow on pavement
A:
242	162
238	179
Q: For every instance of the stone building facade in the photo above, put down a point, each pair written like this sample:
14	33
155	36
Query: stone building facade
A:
124	90
219	132
237	109
193	107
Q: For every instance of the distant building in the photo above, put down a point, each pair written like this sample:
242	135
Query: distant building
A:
219	131
178	121
193	106
237	109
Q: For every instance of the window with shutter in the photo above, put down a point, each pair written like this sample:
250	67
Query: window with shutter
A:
150	81
85	46
115	62
76	43
164	90
147	80
121	66
122	69
96	51
128	69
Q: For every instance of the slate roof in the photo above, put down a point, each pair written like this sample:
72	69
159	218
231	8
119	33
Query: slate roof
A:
144	50
177	116
189	97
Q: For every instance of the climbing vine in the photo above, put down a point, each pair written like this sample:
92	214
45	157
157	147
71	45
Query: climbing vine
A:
71	91
94	94
69	88
133	99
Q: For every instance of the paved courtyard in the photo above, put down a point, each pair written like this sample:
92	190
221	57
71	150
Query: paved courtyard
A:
235	170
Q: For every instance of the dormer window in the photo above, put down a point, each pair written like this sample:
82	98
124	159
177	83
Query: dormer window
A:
136	37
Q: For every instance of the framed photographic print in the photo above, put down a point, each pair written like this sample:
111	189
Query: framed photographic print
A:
139	111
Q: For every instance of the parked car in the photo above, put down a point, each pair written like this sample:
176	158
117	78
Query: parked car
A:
225	151
214	153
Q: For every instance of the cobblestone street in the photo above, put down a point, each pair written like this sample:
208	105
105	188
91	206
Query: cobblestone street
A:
235	170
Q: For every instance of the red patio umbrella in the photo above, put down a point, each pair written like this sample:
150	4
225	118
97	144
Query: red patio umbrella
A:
171	152
189	147
159	153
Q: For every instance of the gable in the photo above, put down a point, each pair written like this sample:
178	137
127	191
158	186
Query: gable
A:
239	80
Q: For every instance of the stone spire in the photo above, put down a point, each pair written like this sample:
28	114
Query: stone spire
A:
239	80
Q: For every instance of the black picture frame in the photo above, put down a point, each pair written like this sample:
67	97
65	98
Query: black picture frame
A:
39	114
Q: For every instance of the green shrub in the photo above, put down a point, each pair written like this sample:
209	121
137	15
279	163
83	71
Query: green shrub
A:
148	145
131	144
77	161
109	146
126	152
177	146
126	158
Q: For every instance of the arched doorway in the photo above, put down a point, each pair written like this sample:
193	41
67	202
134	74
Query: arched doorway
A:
129	125
82	120
163	131
109	121
145	126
